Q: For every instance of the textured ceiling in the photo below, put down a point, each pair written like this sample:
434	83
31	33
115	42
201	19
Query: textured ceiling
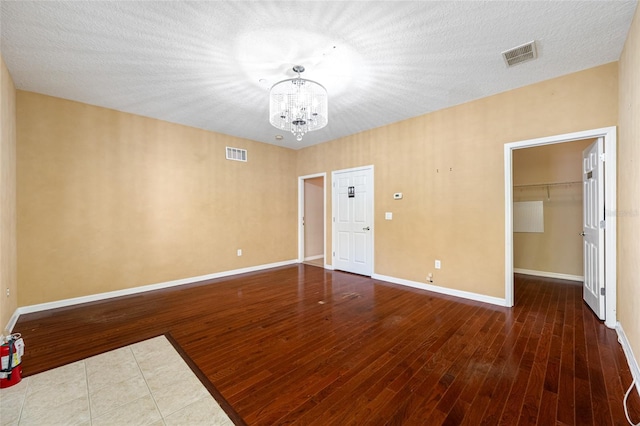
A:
209	64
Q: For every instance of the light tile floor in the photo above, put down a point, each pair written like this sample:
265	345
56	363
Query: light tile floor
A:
147	383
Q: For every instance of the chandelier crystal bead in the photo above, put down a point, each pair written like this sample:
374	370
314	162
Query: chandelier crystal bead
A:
298	105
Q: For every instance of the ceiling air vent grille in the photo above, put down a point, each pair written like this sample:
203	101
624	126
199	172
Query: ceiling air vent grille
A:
520	54
236	154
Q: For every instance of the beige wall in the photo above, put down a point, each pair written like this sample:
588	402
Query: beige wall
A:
8	276
449	165
313	216
559	248
629	188
109	200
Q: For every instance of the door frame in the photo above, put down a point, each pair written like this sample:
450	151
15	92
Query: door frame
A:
334	237
609	134
301	180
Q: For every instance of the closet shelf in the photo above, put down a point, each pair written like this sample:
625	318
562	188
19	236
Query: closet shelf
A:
546	185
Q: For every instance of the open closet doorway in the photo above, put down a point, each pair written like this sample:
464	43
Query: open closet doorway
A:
608	210
547	213
311	219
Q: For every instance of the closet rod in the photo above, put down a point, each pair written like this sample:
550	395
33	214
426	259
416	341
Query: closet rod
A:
547	184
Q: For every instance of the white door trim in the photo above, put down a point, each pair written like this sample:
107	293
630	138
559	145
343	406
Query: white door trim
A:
333	213
610	170
301	180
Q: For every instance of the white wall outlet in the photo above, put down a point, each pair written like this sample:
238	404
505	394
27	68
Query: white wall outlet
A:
8	292
239	252
388	215
438	264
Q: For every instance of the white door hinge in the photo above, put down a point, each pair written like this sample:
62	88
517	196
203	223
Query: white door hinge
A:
603	224
603	157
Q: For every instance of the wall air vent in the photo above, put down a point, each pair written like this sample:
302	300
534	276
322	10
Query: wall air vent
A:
523	53
236	154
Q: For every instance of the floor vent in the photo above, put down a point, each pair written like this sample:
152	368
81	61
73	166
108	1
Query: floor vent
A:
523	53
236	154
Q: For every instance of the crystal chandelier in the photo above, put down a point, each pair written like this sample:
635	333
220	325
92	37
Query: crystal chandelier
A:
298	105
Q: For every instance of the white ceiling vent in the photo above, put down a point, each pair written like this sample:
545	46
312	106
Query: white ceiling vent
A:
236	154
520	54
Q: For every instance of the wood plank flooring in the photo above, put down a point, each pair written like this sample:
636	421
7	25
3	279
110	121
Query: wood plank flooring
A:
301	345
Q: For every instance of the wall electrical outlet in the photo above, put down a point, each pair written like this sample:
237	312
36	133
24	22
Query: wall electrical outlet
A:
438	264
8	292
239	252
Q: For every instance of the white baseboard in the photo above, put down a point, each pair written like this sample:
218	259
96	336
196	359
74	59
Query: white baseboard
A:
628	353
549	274
319	256
443	290
141	289
12	321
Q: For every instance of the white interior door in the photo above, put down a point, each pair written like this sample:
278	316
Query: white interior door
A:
593	228
353	220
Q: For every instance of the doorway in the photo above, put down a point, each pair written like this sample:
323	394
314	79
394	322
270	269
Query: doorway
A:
312	219
548	211
609	257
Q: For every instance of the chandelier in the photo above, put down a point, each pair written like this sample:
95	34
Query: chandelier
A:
298	105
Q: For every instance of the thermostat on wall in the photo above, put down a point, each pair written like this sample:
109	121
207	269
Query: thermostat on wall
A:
397	196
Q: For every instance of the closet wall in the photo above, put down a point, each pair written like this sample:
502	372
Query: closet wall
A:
551	174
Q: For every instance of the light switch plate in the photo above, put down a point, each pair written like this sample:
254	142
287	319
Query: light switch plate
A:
388	215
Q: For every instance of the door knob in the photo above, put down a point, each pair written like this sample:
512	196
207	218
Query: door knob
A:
582	234
366	229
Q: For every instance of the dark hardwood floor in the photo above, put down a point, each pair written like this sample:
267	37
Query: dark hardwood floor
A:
301	345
